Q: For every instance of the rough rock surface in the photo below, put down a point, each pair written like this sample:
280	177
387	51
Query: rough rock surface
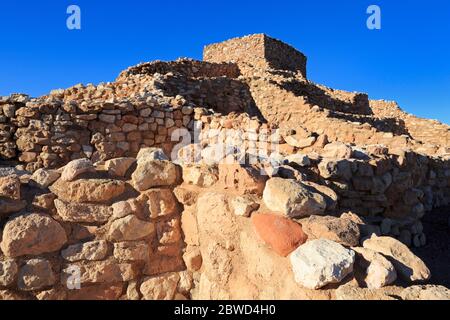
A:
8	272
156	173
321	262
429	292
378	272
32	234
77	212
292	199
339	230
408	266
75	168
94	191
36	274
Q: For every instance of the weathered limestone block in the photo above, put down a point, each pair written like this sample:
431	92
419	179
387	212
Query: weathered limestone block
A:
153	174
32	234
408	266
36	274
99	272
78	212
292	199
151	154
335	169
169	231
8	206
160	287
379	272
321	262
76	168
92	190
132	251
193	259
337	150
90	251
100	292
119	167
130	228
44	178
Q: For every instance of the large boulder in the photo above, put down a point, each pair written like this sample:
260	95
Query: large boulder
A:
292	198
76	168
32	234
378	271
92	190
156	173
321	262
281	234
408	266
342	231
84	213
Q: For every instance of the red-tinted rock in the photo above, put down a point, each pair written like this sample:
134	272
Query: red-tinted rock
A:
281	234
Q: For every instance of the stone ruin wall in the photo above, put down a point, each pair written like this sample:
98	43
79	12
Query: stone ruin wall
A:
118	241
258	51
382	179
116	120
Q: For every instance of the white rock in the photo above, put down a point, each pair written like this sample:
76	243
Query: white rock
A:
75	168
321	262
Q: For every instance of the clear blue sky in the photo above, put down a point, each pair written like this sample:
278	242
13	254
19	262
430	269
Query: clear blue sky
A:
407	61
